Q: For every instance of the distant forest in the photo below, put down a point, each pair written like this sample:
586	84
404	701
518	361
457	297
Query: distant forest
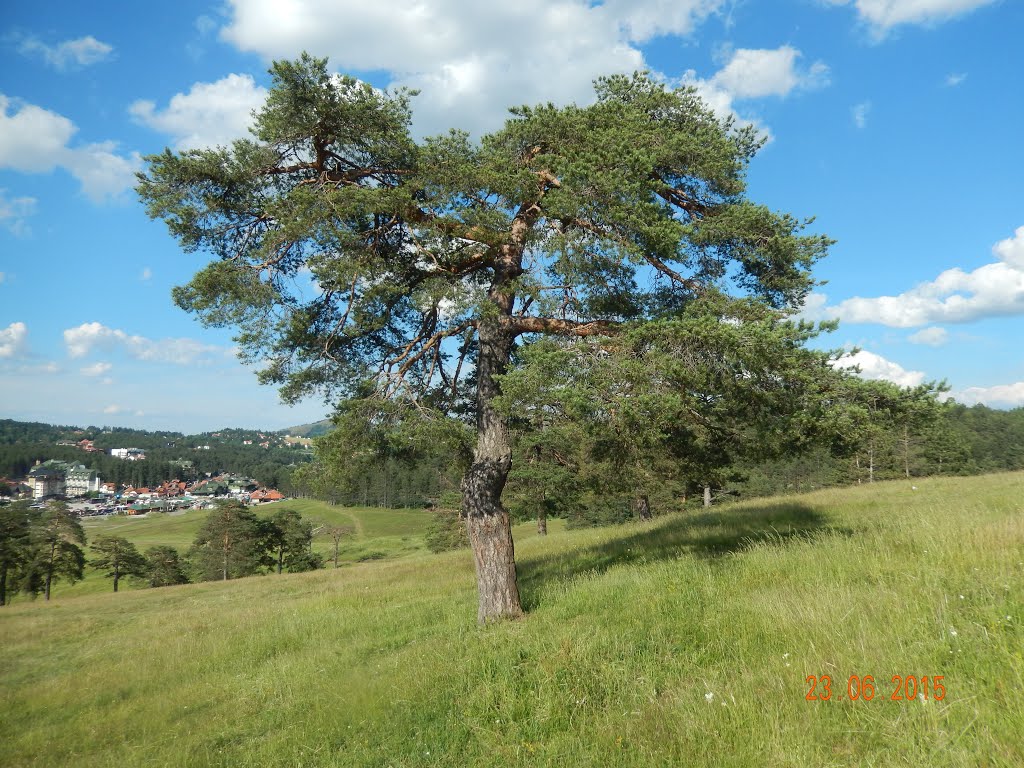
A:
963	441
169	455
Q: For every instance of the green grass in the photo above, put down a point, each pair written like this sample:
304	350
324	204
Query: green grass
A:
682	642
379	534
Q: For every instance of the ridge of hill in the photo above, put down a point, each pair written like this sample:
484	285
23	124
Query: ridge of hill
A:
709	639
316	429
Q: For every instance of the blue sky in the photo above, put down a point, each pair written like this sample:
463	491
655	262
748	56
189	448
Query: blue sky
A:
896	123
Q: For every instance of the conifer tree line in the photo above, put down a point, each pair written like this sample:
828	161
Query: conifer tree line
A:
42	547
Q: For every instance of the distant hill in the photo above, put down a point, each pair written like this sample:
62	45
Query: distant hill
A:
309	430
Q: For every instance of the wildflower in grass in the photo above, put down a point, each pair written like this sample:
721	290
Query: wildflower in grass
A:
952	632
709	696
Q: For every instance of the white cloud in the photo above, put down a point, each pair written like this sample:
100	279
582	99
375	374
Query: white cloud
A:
88	337
35	140
102	173
755	73
13	340
955	78
3	277
875	367
955	296
933	336
71	53
147	274
14	212
210	114
470	60
883	15
96	369
112	409
1011	250
1006	395
860	113
32	139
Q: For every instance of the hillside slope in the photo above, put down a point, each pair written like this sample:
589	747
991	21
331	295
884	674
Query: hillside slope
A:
687	641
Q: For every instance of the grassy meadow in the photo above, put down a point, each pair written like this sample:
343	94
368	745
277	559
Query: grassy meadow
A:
377	534
686	641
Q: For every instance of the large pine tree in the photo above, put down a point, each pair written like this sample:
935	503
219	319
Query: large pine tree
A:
357	261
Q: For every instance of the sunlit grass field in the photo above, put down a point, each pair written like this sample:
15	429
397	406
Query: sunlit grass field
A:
687	641
377	534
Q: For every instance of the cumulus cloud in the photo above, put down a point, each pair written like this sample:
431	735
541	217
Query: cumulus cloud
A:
210	114
69	54
932	337
883	15
32	139
36	140
955	296
147	274
14	214
88	337
13	341
955	78
875	367
470	60
1005	395
96	369
755	73
112	409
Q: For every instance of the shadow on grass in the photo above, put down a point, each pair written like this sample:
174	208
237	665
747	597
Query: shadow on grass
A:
706	535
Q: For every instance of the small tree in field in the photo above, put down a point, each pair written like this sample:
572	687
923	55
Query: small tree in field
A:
361	263
164	567
56	540
288	537
119	557
230	544
14	545
339	533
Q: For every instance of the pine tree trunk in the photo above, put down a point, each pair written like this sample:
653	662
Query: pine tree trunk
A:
707	495
487	521
49	570
906	451
542	522
642	507
117	578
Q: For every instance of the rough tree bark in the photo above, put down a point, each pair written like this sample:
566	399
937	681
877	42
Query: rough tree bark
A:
487	521
642	507
707	495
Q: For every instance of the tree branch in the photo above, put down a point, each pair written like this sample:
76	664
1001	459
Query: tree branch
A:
519	324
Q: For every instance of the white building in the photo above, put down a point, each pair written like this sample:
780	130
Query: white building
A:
128	454
46	481
81	480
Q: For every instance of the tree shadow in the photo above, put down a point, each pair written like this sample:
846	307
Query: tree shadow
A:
705	535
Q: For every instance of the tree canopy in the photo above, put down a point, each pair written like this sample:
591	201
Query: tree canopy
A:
359	262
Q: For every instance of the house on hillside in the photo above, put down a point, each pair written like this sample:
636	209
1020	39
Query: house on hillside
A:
128	454
264	496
